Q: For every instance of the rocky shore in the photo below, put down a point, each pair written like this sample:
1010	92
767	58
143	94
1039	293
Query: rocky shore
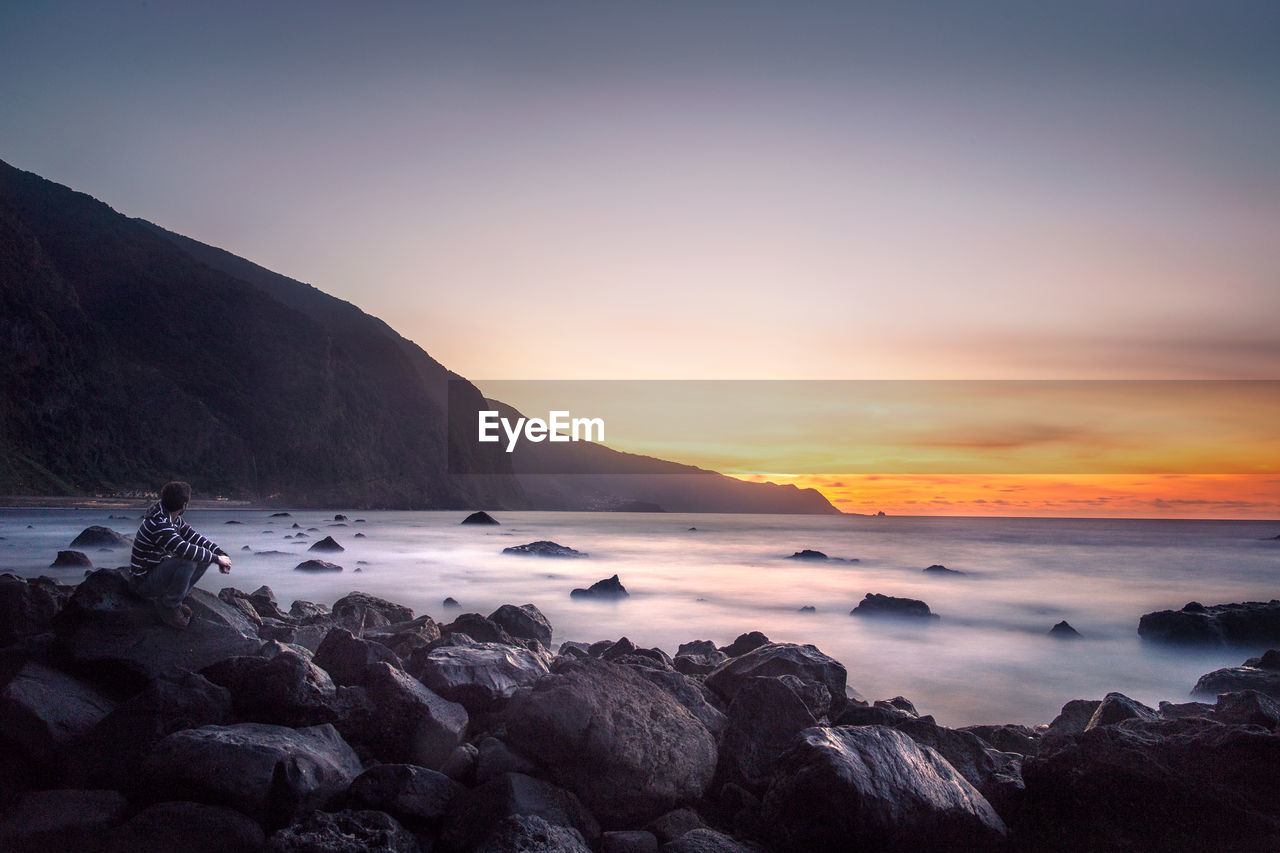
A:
360	726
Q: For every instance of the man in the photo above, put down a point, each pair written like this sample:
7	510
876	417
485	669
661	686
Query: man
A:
169	557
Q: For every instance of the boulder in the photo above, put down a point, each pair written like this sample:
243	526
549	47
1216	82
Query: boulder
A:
478	811
188	827
706	840
97	536
1268	660
270	773
328	544
763	719
695	697
609	589
629	841
406	722
876	785
55	820
480	517
344	832
747	642
27	607
1064	631
117	639
1181	784
347	658
494	758
675	823
309	611
600	730
1115	708
1251	623
71	560
543	548
806	663
698	664
404	638
1265	680
479	629
525	621
532	834
480	677
42	711
1009	737
938	569
1247	708
287	689
317	566
1074	716
264	602
808	554
450	603
997	775
359	612
875	604
1181	710
416	796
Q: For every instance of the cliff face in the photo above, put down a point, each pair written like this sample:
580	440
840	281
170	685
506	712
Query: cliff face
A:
130	355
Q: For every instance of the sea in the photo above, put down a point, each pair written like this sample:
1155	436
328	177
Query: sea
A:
988	658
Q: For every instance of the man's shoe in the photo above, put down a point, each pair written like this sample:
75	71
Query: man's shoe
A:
172	616
186	611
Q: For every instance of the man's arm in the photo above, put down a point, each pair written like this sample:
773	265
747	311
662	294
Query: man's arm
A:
188	533
169	539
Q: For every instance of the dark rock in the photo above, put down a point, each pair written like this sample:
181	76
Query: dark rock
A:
450	603
875	604
1074	716
544	548
404	638
695	697
531	834
480	517
876	785
699	664
706	840
317	566
1251	623
1247	708
997	775
902	704
629	841
763	719
870	715
1231	679
264	602
42	711
480	629
359	612
674	824
618	648
1064	631
1182	784
187	827
607	590
97	536
806	663
1268	660
339	517
407	723
1115	708
808	554
328	544
461	764
307	611
494	758
938	569
246	548
287	689
116	638
280	515
1020	740
360	536
525	621
233	521
344	832
480	677
237	599
270	773
808	608
1182	710
416	796
57	820
71	560
748	642
477	811
27	607
628	751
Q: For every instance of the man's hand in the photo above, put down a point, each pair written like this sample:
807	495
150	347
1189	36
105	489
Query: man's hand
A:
224	564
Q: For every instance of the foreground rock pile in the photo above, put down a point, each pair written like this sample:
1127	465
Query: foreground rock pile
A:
362	727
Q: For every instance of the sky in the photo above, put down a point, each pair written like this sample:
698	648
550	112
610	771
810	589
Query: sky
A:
703	190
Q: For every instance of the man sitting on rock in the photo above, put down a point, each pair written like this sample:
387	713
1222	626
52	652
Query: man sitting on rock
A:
169	557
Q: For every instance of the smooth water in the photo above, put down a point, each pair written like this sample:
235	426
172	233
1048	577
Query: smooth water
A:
987	660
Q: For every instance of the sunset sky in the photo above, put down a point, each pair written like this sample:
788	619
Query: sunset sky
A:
716	190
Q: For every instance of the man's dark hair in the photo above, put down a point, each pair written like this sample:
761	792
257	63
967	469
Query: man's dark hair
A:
174	496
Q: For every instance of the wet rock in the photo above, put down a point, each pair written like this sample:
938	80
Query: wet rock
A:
450	603
1247	708
327	544
747	642
317	566
874	784
479	518
808	554
628	751
629	841
339	517
675	823
938	569
1115	708
476	812
359	612
407	722
1252	676
1074	716
270	773
695	698
1249	623
706	840
287	689
55	820
609	589
1064	631
27	607
308	611
404	638
543	548
479	629
763	719
494	758
531	834
806	663
97	536
997	775
188	827
808	608
42	711
461	764
480	677
71	560
525	621
416	796
1020	740
1268	660
875	604
344	832
1182	710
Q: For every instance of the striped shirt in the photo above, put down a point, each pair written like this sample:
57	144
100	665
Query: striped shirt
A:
161	536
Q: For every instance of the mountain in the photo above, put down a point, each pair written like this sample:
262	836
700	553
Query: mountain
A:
130	355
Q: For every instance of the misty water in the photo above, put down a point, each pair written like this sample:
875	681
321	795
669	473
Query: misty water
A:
988	659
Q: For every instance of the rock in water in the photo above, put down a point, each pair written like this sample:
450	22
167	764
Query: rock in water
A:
1255	623
808	554
450	603
1064	631
317	566
1261	674
937	569
747	642
97	536
609	588
544	548
875	785
480	518
328	543
71	560
875	604
629	751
